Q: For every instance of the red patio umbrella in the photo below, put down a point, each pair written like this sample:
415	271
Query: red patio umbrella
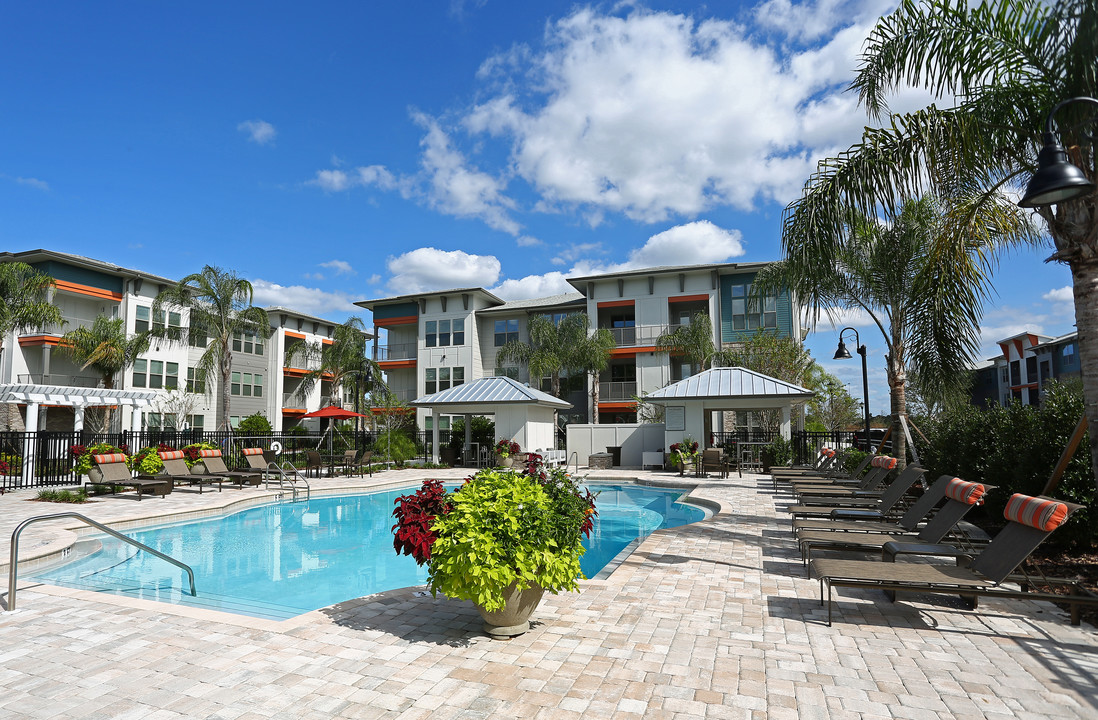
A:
332	413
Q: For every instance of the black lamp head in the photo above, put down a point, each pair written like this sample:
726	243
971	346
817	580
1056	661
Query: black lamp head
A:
1056	180
842	353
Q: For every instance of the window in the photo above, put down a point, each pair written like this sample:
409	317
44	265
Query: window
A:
443	333
159	318
459	331
430	382
1031	369
247	342
246	384
439	379
506	331
459	376
1069	354
141	323
156	374
443	379
140	373
196	422
749	314
432	333
198	337
1015	372
171	375
195	383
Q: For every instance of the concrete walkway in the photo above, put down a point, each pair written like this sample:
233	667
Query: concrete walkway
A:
713	620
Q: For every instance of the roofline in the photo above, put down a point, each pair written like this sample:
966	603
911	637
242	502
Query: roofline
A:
368	304
579	302
297	313
669	269
92	263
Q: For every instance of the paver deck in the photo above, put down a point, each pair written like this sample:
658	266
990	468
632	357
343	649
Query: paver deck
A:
712	620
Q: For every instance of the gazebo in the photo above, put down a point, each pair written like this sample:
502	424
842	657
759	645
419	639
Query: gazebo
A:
522	414
723	388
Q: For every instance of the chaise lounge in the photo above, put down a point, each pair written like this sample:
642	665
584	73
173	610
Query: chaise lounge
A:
175	467
114	471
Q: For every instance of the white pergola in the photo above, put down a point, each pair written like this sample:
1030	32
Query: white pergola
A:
522	414
725	388
78	398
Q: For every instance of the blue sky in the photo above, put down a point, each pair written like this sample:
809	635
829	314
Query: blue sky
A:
334	152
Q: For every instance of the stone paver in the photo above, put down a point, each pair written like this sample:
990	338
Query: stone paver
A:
714	620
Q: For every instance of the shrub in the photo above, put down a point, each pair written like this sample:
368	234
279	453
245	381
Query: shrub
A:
853	459
82	454
255	424
146	461
395	446
79	495
191	452
10	464
780	451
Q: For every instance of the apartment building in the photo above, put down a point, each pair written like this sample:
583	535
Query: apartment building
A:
1029	361
428	342
262	378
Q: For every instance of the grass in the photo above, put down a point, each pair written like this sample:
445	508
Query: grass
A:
63	496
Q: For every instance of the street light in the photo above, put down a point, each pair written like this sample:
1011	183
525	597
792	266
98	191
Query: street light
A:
843	354
1057	179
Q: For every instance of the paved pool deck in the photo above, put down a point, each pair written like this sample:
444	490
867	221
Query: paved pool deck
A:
712	620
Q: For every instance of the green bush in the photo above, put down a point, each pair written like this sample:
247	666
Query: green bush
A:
146	461
79	495
1016	449
394	446
256	424
779	451
853	459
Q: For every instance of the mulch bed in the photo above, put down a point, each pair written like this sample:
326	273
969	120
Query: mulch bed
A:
1081	566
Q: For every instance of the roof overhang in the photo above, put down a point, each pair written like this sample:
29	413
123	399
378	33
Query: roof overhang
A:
75	396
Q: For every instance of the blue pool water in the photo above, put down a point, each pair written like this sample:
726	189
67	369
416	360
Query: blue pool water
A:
278	561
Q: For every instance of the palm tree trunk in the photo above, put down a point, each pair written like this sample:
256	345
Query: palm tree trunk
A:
1084	275
594	398
226	376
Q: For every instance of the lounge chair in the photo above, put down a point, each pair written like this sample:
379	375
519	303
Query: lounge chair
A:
881	466
257	460
960	497
175	467
835	477
823	463
870	520
115	472
1029	522
215	465
822	506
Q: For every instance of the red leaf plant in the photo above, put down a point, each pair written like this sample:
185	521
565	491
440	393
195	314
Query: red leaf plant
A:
415	514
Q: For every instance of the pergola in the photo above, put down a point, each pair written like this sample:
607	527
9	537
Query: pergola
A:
522	414
688	401
78	398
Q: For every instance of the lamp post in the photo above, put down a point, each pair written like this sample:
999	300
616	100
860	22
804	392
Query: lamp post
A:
1057	179
843	354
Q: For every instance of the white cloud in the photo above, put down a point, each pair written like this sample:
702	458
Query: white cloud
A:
373	279
811	20
533	286
341	267
425	269
694	243
34	183
259	131
331	180
571	253
527	241
1060	295
308	300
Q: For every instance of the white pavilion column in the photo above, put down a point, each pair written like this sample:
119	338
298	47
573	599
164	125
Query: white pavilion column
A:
435	418
468	438
78	418
29	436
785	427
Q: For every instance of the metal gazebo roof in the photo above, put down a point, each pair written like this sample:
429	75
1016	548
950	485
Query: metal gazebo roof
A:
729	383
495	390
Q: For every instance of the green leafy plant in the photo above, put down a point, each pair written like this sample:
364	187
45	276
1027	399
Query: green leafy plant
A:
63	496
684	453
396	446
146	461
82	455
780	451
254	424
506	448
501	528
191	453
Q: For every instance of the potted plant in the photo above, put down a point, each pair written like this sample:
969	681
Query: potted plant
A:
500	540
504	450
83	454
684	453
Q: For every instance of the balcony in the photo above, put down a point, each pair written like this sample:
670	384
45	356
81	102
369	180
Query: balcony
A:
291	401
395	351
60	379
68	323
617	391
637	336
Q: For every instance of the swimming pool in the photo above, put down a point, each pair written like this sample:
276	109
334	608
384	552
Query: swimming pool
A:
281	560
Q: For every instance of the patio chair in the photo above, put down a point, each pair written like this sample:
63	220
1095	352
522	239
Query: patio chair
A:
215	465
960	497
870	520
175	467
115	473
869	485
822	506
352	461
1029	522
713	460
313	461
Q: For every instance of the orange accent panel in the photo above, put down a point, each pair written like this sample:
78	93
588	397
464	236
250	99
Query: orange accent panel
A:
293	372
87	290
326	341
293	411
34	340
299	336
1018	347
688	298
617	303
402	320
617	405
626	351
393	364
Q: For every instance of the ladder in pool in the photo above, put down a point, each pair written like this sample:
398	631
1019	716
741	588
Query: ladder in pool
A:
286	477
13	567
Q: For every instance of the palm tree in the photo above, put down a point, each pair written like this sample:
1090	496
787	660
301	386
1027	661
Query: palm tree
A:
592	356
339	361
23	303
1008	63
693	340
926	303
106	348
550	347
220	305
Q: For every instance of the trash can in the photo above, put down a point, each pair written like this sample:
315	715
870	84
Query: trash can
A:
615	451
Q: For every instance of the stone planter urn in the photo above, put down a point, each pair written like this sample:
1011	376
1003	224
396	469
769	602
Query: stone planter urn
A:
505	461
514	618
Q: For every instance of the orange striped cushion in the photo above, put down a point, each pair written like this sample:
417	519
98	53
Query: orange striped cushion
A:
209	453
109	458
890	462
966	492
1040	513
252	451
828	452
171	455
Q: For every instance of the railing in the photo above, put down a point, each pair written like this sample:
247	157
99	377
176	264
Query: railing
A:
617	390
638	335
68	323
396	351
86	381
292	401
13	572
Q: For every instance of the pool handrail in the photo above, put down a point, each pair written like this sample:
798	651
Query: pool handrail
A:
290	479
13	572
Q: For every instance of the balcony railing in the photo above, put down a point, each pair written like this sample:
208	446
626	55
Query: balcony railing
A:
395	351
69	323
638	336
617	390
290	401
86	381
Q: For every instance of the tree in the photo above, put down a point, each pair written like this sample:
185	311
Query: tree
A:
548	353
925	301
23	303
341	360
220	306
834	407
592	356
1008	63
778	356
106	348
177	405
693	340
